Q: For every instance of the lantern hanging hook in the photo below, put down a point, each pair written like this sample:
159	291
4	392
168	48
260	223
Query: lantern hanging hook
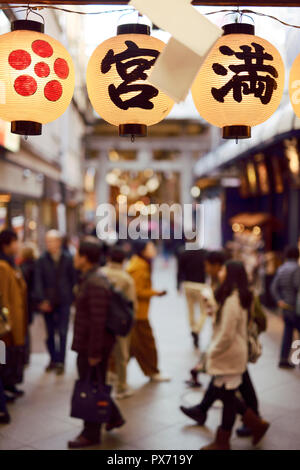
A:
127	12
240	15
33	10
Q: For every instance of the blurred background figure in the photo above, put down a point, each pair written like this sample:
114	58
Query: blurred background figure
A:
214	261
14	298
285	289
191	273
4	415
27	265
227	356
54	281
143	346
92	341
121	280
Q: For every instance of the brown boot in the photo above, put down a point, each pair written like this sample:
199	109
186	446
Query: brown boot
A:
221	442
257	425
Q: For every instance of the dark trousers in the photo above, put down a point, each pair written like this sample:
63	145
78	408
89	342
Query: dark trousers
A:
291	322
231	404
57	323
248	393
246	389
91	431
2	399
12	372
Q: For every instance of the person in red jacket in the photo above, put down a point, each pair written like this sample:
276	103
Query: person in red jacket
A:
92	341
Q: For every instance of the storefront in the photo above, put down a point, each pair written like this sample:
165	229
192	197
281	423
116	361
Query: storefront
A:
20	192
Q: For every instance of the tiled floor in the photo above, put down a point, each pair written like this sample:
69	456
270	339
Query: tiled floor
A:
40	419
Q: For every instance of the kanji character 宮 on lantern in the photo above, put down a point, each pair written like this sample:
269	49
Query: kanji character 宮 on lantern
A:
117	81
36	78
241	82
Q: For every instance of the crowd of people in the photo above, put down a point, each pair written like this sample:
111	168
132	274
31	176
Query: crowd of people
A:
58	281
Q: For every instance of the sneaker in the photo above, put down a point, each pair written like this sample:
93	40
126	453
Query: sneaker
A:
160	378
15	391
195	337
286	365
114	425
128	392
50	367
243	431
9	397
60	369
81	442
4	418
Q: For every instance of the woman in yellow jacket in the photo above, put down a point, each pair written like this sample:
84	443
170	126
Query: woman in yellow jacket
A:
143	346
13	297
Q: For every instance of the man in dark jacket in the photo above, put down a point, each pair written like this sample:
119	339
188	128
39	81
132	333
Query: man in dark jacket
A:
285	288
92	341
191	272
54	281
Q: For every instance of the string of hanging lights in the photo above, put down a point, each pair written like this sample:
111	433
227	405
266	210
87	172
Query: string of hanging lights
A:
78	12
239	85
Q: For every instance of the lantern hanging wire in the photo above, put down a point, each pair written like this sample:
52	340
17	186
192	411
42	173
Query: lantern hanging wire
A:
76	12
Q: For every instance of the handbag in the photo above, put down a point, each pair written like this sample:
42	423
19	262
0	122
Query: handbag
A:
91	399
254	345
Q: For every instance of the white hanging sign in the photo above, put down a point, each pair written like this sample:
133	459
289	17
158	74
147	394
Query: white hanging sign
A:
193	35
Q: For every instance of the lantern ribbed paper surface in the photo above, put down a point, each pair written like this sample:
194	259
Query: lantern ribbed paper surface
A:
117	81
294	85
36	77
240	83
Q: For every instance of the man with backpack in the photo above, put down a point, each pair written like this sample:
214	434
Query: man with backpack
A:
285	288
123	282
92	340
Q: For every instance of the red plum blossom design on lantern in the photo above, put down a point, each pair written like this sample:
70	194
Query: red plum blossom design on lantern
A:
26	85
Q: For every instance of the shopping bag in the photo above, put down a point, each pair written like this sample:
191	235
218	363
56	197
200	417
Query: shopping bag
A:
91	400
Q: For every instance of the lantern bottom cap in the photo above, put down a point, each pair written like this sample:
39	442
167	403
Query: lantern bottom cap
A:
132	130
26	128
236	132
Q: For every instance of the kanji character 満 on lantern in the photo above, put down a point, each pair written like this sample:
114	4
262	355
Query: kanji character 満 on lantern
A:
37	78
240	83
117	81
294	86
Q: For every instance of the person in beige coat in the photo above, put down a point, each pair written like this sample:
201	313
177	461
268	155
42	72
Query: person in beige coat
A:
227	355
121	280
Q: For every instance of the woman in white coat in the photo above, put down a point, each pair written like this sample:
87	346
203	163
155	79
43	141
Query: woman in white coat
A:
227	356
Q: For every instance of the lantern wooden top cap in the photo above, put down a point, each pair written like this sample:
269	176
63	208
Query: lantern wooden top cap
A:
133	28
238	28
27	25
